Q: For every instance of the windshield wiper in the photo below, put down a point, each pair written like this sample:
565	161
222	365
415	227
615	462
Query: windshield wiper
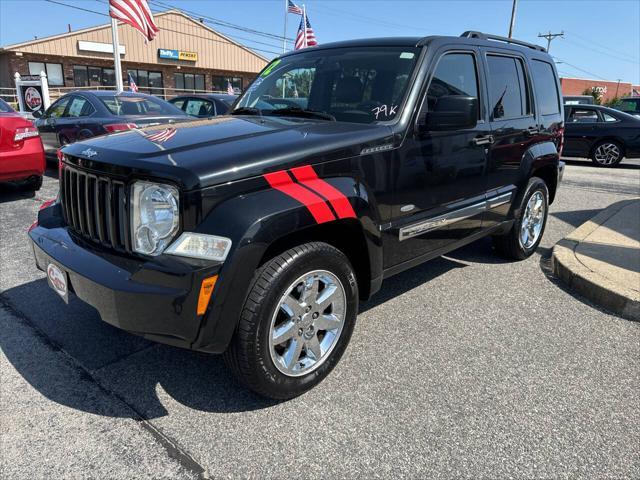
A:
247	111
302	112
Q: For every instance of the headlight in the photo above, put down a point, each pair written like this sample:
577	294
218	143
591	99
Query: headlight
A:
155	216
198	245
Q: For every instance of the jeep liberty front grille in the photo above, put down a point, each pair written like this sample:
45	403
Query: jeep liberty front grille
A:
96	207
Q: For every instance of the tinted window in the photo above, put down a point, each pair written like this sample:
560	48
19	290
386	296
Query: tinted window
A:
454	75
79	107
609	118
199	108
546	87
629	105
57	109
120	105
508	93
4	107
178	103
583	115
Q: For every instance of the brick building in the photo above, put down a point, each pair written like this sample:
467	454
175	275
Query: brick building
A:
607	89
186	55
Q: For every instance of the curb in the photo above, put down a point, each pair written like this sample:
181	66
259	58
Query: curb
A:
600	290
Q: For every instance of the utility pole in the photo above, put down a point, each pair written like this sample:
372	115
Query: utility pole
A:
617	87
550	36
513	17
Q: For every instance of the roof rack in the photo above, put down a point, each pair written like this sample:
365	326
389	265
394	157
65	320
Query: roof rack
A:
486	36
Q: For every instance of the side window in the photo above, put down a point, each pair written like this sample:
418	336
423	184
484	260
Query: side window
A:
455	74
508	91
79	107
199	108
609	118
546	87
583	115
57	109
179	103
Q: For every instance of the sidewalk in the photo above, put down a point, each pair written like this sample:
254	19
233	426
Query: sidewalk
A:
601	259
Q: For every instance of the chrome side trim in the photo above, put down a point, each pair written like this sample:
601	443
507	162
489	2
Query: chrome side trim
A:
449	218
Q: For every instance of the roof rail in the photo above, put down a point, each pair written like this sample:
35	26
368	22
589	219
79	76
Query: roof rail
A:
486	36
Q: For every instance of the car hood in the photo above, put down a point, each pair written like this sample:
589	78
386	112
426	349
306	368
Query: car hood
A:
203	153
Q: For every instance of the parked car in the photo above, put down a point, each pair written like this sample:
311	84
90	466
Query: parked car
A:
85	114
578	100
204	105
630	105
257	236
21	154
604	135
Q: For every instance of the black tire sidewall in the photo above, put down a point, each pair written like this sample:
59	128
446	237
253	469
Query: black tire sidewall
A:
319	257
535	185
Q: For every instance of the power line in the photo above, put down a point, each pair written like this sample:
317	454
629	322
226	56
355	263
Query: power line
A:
580	69
601	52
602	46
550	36
360	18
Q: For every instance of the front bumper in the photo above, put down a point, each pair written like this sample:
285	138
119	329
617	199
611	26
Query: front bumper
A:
155	298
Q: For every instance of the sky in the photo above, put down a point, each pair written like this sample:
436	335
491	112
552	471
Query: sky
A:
601	38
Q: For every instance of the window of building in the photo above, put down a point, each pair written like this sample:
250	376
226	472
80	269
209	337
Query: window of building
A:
221	84
546	87
190	81
148	82
53	71
87	76
456	74
508	91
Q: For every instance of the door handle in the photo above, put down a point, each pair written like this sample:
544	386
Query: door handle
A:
483	140
531	131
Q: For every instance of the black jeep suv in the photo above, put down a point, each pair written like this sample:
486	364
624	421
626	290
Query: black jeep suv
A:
257	233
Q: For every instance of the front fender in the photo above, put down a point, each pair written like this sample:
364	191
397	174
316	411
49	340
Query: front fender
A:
257	220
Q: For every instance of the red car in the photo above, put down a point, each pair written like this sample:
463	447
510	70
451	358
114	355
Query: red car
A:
21	153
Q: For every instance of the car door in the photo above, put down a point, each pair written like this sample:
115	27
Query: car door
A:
48	125
581	123
513	126
76	121
439	175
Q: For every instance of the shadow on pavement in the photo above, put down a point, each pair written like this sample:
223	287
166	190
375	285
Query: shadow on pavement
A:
586	162
10	192
134	368
575	218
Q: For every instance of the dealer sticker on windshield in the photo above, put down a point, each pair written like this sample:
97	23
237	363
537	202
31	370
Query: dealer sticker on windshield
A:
57	279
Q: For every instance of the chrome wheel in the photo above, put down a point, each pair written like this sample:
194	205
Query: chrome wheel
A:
532	220
307	323
607	154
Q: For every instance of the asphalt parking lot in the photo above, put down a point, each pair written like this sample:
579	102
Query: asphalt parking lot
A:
467	366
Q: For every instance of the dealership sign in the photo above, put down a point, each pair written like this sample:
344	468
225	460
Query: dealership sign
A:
177	55
32	92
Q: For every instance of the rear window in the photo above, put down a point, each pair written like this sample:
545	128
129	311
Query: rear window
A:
120	105
628	105
508	93
546	87
4	107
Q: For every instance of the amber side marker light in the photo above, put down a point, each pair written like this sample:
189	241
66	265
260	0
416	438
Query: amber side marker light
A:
206	289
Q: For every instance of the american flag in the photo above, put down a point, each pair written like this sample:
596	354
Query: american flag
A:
161	136
135	13
305	37
293	8
230	89
132	83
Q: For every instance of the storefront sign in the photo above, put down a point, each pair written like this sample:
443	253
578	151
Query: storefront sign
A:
99	47
33	93
177	55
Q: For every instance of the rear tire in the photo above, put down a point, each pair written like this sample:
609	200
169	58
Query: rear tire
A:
607	154
33	184
287	341
531	219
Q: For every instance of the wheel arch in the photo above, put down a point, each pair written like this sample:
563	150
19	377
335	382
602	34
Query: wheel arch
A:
542	160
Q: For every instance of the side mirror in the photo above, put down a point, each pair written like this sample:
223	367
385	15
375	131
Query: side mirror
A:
451	112
37	113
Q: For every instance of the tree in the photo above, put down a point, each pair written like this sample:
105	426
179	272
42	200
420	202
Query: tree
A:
594	93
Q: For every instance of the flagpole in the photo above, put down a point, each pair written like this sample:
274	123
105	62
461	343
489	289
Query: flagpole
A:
284	33
304	24
116	55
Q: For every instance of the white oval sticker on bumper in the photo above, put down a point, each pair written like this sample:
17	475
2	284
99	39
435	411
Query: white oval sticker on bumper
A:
57	279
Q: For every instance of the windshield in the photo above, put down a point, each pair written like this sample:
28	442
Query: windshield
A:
361	85
4	107
121	105
630	105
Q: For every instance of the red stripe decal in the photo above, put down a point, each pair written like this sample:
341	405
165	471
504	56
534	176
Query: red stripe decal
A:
307	176
282	182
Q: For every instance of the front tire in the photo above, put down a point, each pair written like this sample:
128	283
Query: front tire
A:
531	219
607	153
296	322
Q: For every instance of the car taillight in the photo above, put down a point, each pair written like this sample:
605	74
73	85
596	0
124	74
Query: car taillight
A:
119	127
25	132
560	141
